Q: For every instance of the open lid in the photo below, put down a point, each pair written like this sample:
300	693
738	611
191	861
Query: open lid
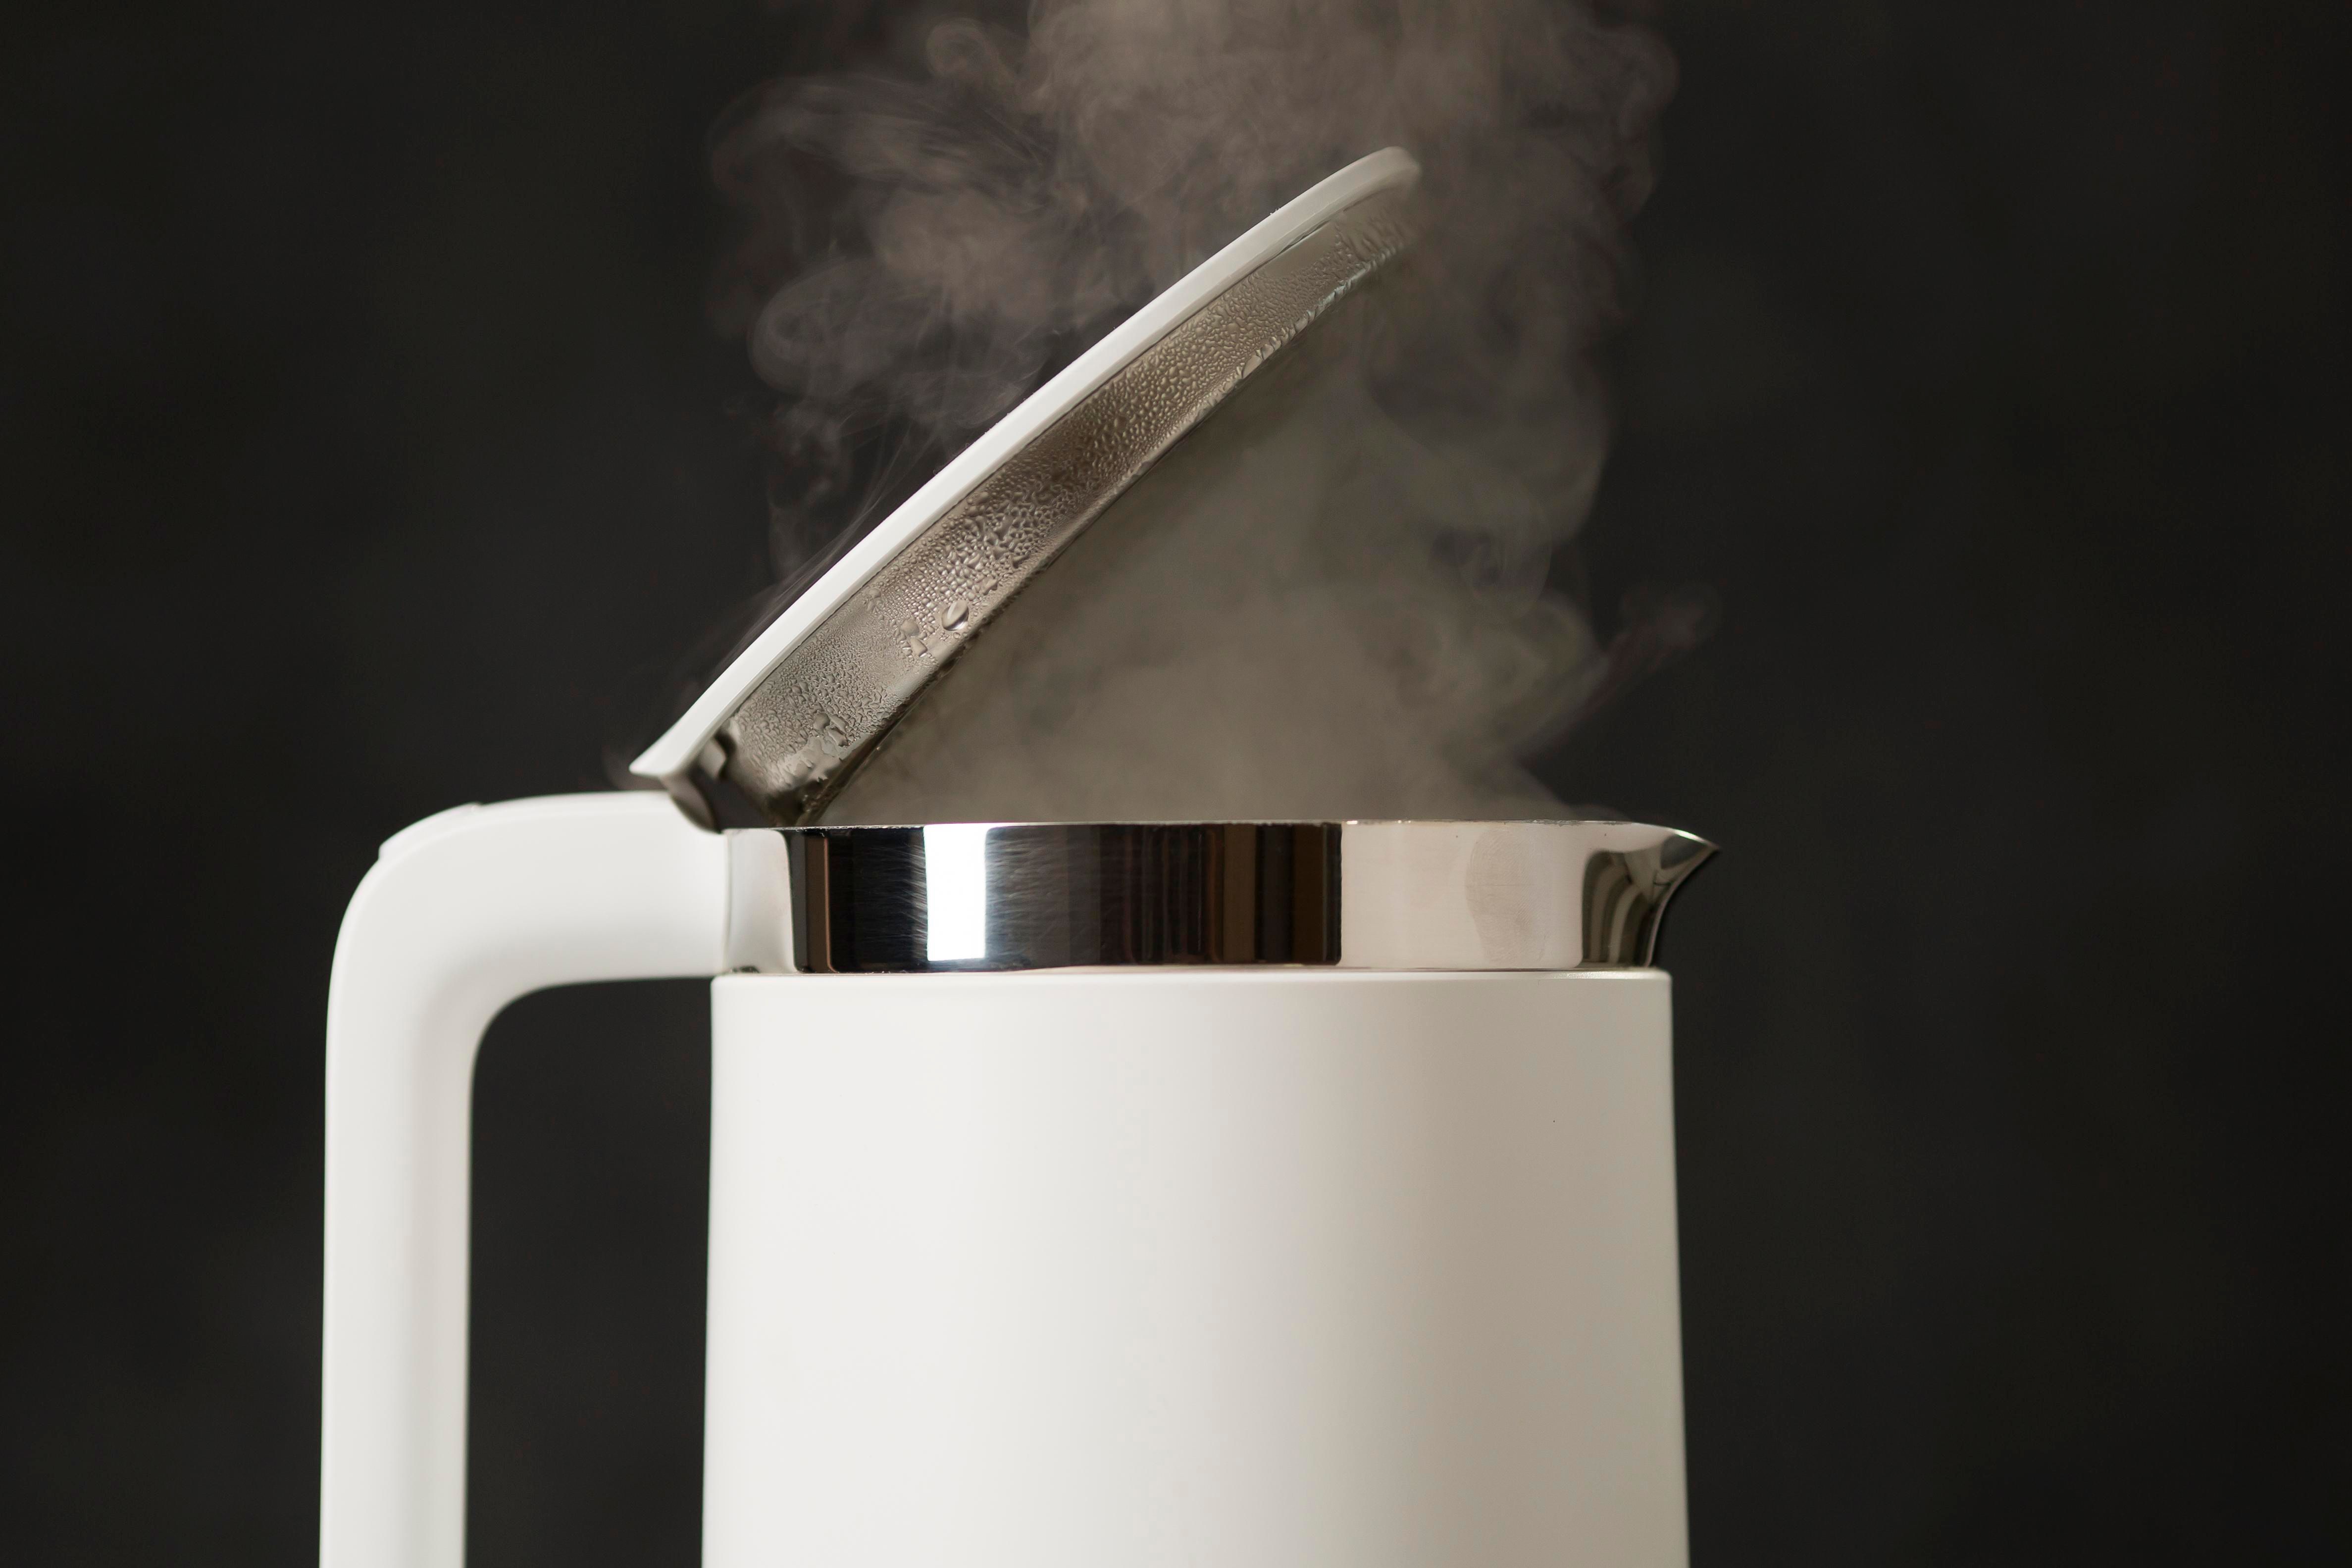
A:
789	721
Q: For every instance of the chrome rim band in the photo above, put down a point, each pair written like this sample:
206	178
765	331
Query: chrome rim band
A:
1361	895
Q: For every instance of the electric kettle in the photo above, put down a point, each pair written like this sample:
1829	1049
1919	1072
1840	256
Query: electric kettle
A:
1241	1193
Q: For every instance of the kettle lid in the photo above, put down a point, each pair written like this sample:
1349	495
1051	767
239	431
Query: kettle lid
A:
796	713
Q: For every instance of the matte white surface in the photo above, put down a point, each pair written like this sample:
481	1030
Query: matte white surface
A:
1226	1269
464	912
1232	1268
677	747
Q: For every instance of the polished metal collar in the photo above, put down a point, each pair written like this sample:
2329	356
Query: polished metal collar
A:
1352	895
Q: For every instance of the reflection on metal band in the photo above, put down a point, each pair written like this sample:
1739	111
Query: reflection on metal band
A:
1362	896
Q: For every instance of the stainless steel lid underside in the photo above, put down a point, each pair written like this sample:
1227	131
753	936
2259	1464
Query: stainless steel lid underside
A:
1352	895
819	713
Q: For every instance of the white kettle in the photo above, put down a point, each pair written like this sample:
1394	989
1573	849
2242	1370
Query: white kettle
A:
1242	1195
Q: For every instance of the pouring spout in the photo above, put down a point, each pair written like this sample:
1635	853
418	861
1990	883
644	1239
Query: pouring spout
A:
1625	897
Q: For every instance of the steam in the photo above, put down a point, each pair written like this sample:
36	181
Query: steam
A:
1331	600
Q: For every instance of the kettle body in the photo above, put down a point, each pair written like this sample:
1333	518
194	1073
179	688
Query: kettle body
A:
1195	1261
1251	1268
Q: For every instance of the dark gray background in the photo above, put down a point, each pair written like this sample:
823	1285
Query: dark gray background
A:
365	452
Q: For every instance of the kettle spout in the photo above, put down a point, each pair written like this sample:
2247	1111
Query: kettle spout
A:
1625	896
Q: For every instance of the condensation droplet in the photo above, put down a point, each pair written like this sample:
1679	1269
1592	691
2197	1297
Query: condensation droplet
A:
955	616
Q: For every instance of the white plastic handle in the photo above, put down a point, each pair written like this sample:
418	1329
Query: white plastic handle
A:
464	913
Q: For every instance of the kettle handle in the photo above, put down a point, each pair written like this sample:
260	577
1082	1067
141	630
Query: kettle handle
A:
462	913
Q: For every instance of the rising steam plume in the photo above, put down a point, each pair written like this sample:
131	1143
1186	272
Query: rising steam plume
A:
1331	600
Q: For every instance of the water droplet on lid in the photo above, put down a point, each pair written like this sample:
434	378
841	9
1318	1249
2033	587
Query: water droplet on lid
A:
907	628
955	616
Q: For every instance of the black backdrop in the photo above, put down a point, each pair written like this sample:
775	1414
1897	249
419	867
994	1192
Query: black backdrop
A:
364	449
